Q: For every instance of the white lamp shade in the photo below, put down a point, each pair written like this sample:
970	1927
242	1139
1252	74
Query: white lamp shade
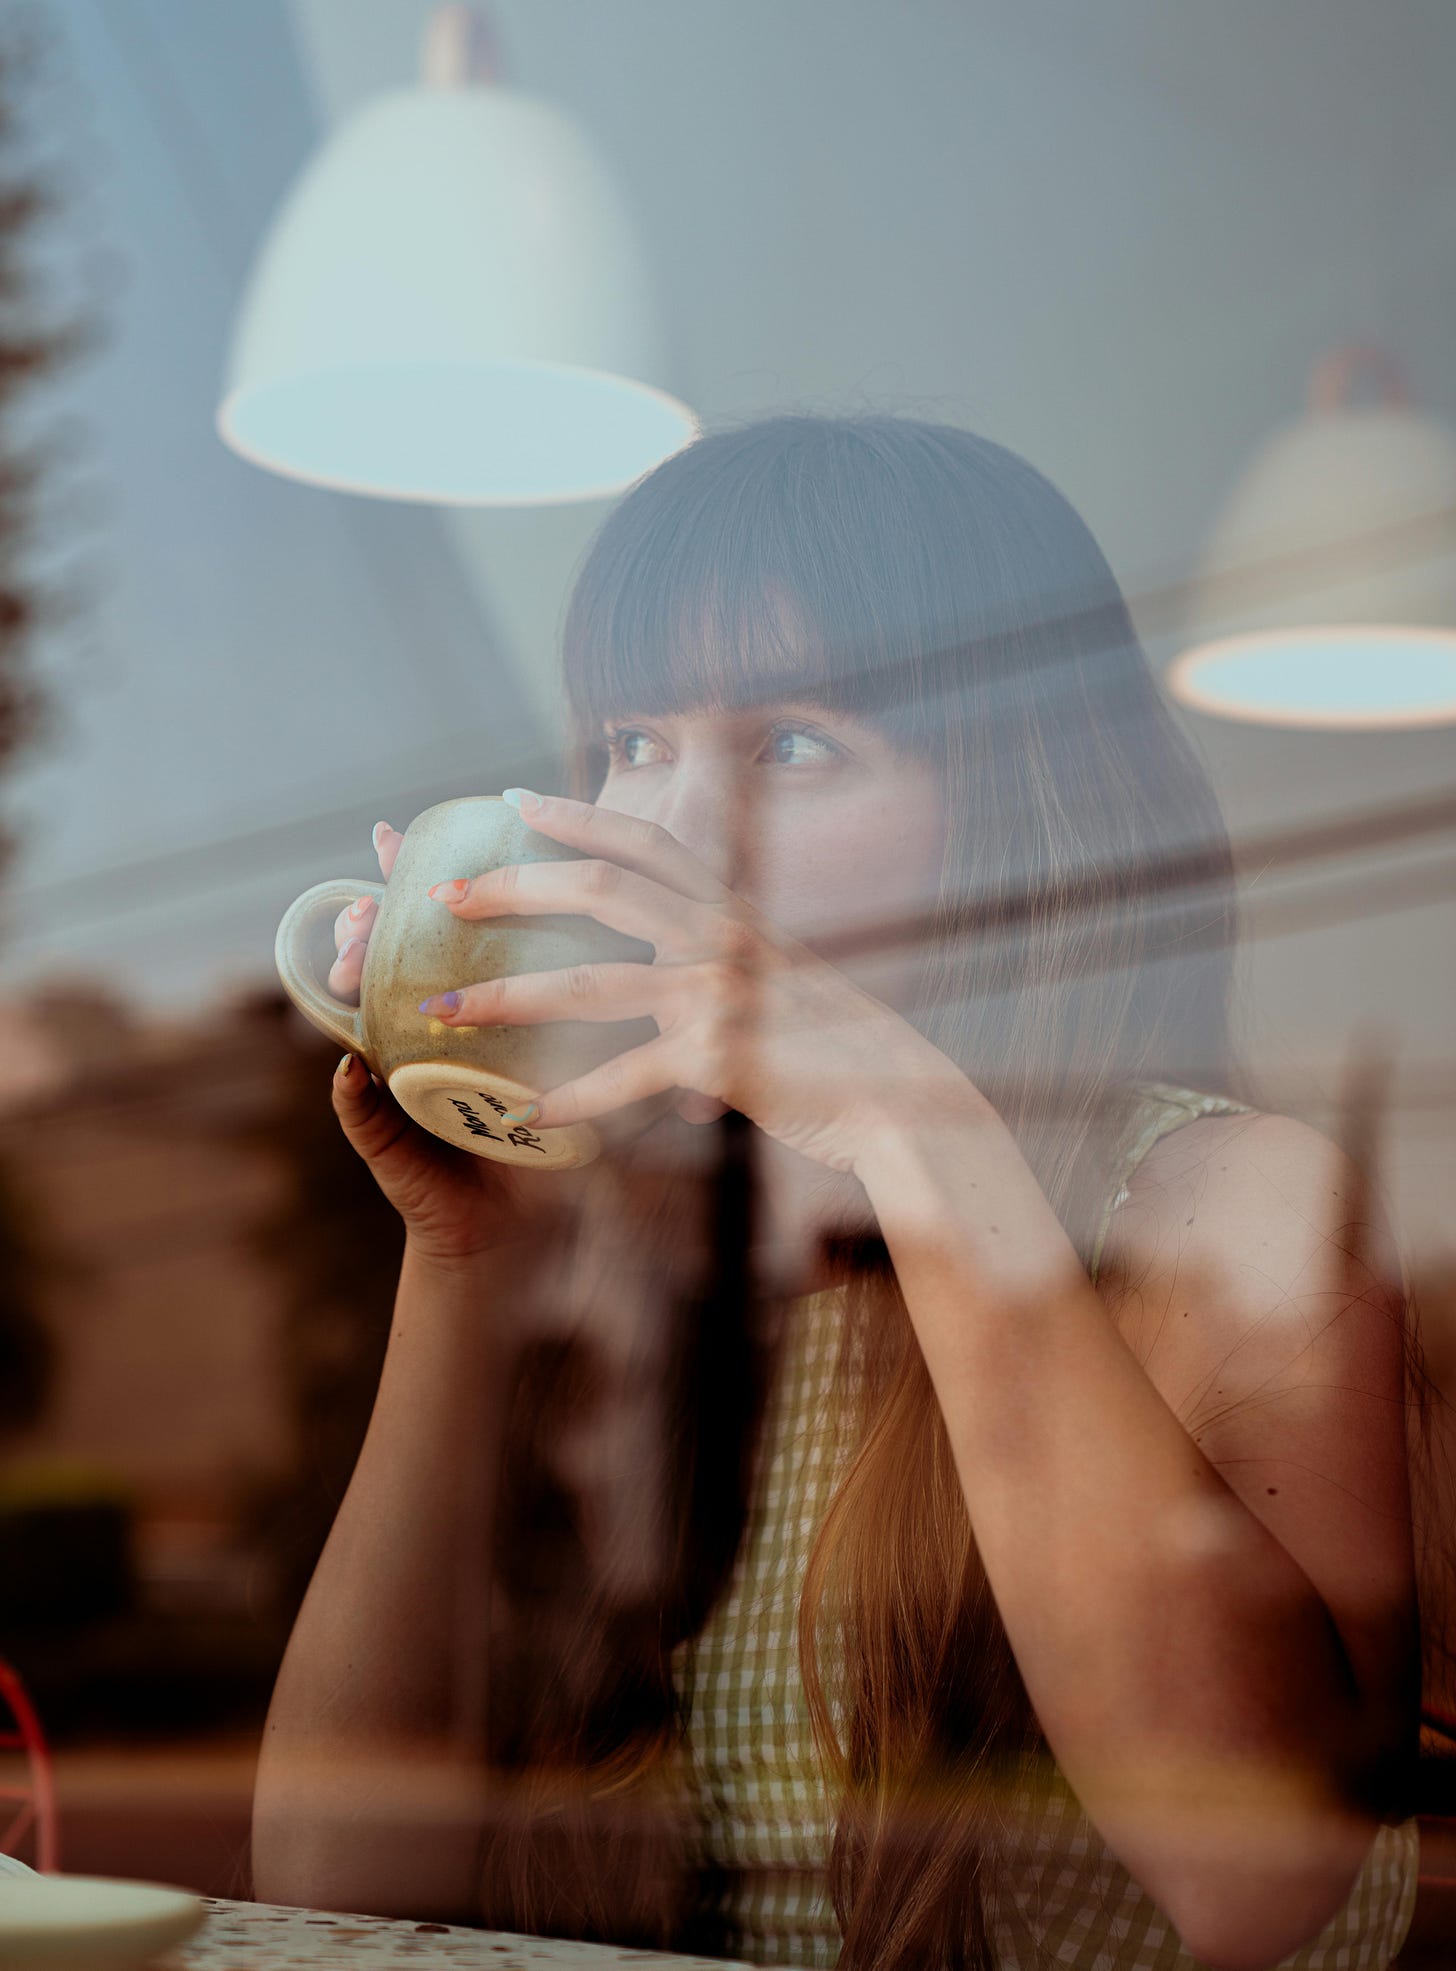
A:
1326	596
1366	676
452	305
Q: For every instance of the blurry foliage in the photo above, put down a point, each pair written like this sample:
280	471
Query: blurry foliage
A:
30	348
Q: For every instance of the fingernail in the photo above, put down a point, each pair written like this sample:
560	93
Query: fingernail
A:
358	907
346	1062
440	1002
348	945
522	1115
375	837
521	799
450	892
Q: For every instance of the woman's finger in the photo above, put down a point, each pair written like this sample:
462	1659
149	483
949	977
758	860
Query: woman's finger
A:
356	919
641	846
630	1077
347	969
576	992
674	925
354	1090
386	846
372	1122
693	1107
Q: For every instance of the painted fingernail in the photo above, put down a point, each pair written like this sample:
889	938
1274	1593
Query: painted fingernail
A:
358	907
523	1115
450	892
521	799
440	1002
346	1062
380	827
348	945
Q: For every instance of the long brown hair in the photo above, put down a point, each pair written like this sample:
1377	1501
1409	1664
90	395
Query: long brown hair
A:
933	582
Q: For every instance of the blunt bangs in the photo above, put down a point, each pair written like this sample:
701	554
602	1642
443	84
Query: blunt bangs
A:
779	562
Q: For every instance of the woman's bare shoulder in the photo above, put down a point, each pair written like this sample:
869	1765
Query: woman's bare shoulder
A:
1249	1219
1260	1163
1256	1280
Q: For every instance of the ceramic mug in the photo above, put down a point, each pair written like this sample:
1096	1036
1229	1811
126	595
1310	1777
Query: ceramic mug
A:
458	1082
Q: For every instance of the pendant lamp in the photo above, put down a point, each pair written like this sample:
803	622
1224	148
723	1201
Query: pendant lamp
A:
1326	597
452	305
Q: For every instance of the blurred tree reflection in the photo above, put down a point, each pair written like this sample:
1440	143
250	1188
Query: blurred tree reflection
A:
31	349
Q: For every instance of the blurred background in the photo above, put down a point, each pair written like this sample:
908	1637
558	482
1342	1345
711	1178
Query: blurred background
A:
1122	240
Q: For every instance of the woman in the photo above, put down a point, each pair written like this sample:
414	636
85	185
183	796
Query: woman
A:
1026	1573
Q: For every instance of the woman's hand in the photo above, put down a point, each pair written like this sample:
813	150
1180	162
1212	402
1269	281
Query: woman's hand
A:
455	1206
748	1018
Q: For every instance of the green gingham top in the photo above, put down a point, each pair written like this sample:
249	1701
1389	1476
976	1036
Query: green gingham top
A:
761	1807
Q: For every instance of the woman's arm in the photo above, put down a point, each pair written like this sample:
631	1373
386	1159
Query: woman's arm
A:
369	1791
1216	1682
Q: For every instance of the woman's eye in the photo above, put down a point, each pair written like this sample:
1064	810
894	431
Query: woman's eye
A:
797	745
623	745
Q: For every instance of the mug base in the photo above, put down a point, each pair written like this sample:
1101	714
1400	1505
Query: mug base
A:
465	1107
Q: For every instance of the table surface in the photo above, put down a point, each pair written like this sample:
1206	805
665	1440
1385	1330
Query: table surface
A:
268	1937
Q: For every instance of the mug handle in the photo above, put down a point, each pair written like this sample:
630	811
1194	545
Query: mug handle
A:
296	955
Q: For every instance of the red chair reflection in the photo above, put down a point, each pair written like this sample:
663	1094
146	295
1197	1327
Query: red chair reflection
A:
34	1801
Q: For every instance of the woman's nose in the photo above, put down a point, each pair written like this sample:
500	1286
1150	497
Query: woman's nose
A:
712	816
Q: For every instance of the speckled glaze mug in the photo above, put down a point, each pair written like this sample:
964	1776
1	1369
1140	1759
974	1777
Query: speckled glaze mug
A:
458	1082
